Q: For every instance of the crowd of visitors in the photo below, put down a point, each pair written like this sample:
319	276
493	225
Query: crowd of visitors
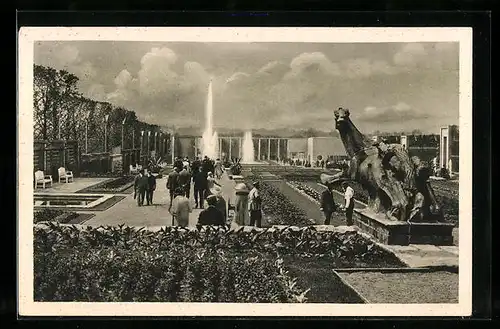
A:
204	175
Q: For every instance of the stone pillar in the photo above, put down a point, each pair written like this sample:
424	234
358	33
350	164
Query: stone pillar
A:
240	153
220	147
258	155
230	156
279	141
269	149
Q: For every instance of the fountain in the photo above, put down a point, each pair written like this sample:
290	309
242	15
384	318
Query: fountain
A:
210	138
248	150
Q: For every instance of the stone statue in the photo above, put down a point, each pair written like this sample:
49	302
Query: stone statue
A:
397	185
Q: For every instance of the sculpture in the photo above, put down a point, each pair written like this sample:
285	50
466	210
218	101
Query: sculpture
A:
397	185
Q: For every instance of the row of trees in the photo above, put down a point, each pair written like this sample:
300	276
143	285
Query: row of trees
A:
61	112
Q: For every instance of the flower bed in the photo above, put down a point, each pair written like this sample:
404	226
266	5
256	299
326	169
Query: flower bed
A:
60	216
56	215
115	185
281	210
307	190
122	264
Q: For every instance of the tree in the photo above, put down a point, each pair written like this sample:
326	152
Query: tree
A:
53	92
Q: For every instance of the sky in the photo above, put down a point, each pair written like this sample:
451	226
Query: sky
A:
387	86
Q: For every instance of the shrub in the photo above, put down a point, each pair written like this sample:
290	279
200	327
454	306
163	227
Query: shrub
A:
122	264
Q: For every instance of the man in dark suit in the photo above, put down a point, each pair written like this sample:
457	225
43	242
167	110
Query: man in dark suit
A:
211	215
172	183
178	163
200	185
151	188
328	205
206	164
141	185
185	181
195	166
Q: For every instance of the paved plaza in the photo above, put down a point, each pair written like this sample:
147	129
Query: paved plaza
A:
127	212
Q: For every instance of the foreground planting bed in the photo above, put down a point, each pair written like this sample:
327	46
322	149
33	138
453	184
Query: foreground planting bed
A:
123	264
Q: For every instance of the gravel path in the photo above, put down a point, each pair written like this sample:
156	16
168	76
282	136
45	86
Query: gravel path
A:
405	288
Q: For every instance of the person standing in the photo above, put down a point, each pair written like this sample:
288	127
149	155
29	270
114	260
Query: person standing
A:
211	215
178	163
136	186
181	208
206	164
173	183
211	183
151	188
200	185
349	202
185	181
141	185
221	203
328	205
255	205
185	163
218	169
195	166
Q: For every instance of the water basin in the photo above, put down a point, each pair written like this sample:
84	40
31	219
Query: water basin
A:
68	200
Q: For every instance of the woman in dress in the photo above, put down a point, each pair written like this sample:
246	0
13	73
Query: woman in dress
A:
218	167
211	182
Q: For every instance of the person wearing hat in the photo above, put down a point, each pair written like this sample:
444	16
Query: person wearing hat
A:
211	215
172	184
328	205
140	186
255	205
221	203
185	181
349	202
180	209
210	184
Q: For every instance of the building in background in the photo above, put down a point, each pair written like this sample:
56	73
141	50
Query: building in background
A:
297	148
449	148
327	147
425	147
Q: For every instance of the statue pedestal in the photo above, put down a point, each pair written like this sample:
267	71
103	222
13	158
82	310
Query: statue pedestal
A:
402	233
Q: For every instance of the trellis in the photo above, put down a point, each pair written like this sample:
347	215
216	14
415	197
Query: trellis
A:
50	156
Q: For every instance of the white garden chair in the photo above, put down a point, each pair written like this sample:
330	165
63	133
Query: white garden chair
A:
133	170
64	175
42	179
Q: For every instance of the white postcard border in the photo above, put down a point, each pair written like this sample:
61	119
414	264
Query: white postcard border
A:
29	35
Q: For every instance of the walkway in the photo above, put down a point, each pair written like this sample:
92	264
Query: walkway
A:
72	187
128	213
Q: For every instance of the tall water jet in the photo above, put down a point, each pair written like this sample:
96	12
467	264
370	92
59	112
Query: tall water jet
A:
209	138
248	150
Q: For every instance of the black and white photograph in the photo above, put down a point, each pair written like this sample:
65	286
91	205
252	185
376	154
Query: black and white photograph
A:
245	171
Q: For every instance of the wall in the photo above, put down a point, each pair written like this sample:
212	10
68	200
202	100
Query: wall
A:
324	146
297	145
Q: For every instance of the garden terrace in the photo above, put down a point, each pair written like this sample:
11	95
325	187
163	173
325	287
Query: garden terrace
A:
73	263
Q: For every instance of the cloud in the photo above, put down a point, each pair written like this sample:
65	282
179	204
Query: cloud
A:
67	55
96	92
254	87
434	56
400	112
163	89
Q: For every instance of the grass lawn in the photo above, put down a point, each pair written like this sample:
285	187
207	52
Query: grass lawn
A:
317	275
405	288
